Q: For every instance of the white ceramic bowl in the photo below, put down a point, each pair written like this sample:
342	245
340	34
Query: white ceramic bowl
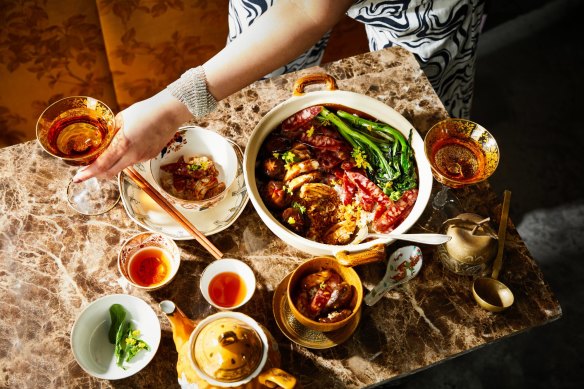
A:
191	141
142	241
365	104
228	265
89	336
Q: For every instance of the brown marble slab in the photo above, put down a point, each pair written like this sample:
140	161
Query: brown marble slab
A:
53	262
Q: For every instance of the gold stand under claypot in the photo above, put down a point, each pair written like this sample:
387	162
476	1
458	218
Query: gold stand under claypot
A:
227	349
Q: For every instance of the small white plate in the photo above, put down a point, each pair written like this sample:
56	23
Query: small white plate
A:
144	211
89	336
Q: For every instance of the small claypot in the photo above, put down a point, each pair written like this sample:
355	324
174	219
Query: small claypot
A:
317	264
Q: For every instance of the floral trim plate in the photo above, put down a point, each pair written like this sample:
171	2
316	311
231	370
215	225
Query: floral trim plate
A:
144	211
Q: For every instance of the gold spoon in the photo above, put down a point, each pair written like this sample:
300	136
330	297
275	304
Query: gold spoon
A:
490	293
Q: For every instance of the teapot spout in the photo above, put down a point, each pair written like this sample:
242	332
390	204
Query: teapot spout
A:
181	325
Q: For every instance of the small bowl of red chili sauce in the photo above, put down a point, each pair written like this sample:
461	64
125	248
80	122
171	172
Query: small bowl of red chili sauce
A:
149	260
227	283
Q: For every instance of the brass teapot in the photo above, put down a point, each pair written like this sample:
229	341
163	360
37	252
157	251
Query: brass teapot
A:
226	349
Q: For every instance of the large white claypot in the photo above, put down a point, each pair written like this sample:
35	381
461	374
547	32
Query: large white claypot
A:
360	102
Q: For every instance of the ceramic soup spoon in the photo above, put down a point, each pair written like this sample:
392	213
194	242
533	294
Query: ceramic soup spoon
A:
403	265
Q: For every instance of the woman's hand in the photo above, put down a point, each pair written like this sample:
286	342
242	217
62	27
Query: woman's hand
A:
284	32
144	129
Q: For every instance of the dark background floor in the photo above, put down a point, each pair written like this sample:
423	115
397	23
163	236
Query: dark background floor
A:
526	93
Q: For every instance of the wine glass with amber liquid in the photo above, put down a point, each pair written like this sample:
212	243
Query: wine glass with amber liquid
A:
461	152
77	130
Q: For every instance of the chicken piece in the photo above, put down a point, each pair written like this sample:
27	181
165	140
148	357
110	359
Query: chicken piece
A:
200	187
301	152
340	233
316	192
322	204
298	168
303	179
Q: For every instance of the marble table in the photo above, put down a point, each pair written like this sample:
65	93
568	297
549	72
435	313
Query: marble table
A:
53	262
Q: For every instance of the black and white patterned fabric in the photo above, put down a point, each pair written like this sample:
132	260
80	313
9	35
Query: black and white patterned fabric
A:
442	34
242	14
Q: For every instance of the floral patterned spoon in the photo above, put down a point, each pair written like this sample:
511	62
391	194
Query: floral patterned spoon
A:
403	265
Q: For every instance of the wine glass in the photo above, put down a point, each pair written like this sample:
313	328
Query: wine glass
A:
77	130
461	152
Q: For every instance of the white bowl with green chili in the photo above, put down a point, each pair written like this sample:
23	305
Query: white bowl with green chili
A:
138	338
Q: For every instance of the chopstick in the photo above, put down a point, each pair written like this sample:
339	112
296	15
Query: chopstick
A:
172	211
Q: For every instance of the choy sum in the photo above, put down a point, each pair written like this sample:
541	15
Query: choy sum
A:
118	316
126	339
380	149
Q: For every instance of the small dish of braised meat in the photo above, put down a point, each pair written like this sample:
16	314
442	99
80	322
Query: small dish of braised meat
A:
196	168
324	297
195	179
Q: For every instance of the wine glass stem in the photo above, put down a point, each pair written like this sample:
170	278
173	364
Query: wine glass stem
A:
93	197
441	198
446	202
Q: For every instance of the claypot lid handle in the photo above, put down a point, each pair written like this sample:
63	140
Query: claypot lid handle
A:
310	79
374	254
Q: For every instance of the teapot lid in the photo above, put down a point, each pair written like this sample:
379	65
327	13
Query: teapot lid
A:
228	349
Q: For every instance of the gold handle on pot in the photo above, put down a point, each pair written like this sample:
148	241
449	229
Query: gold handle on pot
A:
375	254
310	79
275	377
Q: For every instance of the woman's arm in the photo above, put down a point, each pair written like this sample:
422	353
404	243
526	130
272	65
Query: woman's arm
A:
285	31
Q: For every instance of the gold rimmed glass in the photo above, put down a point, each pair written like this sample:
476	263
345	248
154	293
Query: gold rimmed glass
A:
461	152
77	130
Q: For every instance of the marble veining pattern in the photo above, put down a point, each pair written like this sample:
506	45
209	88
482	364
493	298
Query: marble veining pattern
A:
55	261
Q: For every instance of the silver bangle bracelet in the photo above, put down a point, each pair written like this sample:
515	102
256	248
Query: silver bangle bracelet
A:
191	90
